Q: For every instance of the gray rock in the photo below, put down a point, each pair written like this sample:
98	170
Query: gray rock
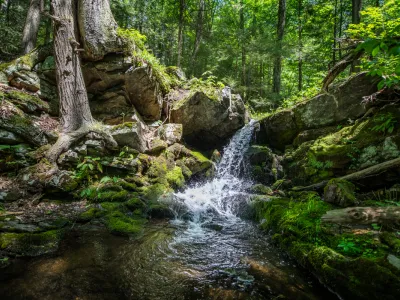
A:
394	261
144	92
9	138
171	133
156	146
207	122
69	157
15	226
130	134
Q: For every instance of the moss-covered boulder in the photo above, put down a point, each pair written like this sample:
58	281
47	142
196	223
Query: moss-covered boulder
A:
130	134
341	103
30	244
340	192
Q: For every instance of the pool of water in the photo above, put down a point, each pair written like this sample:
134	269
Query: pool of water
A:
173	260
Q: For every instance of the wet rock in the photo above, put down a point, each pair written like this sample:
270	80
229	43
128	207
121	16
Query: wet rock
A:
260	189
207	121
30	244
312	134
171	133
340	192
15	226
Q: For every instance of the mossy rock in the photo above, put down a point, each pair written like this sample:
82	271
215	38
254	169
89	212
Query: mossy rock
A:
175	177
260	189
30	244
120	224
340	192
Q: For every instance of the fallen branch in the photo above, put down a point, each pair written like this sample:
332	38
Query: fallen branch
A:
371	171
363	215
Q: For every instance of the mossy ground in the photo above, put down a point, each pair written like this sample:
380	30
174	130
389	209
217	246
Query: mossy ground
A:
345	261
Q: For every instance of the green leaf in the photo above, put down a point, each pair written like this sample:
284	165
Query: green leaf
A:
397	70
91	167
375	51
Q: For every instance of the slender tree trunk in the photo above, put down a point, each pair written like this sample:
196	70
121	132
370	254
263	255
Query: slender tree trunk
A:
355	16
242	40
300	65
355	11
199	32
335	34
278	58
180	31
31	28
340	27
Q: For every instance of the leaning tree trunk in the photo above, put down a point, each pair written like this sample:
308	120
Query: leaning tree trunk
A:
31	28
76	118
75	113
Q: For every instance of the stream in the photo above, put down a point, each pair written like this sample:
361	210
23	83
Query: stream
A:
206	252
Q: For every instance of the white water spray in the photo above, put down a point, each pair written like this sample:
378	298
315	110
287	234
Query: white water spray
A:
221	196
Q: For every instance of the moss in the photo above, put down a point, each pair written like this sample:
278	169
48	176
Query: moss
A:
120	224
175	177
340	192
128	125
154	192
261	189
111	196
30	244
128	186
158	168
392	240
91	213
134	203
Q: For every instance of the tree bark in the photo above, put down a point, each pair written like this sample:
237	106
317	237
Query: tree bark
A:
242	41
355	11
335	33
278	58
180	31
371	171
300	64
356	18
199	31
31	28
363	215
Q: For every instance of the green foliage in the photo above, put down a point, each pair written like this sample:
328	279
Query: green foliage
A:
88	169
348	247
379	31
385	123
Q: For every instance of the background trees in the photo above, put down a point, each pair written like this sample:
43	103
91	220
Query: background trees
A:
235	40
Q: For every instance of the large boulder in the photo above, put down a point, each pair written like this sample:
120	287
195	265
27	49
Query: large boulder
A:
171	133
340	192
207	121
144	92
342	103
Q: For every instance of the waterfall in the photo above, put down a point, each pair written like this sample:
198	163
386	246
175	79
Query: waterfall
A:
222	196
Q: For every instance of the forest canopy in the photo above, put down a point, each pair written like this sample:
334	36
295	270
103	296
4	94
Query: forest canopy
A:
238	41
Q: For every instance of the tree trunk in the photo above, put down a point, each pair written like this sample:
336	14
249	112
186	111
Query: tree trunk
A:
278	58
74	104
340	27
180	31
363	215
355	11
199	32
242	41
300	65
31	28
355	17
335	33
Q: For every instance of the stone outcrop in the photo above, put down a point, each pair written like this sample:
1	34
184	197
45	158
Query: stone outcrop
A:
207	121
341	104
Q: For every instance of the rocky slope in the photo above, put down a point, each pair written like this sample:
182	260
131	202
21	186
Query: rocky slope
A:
151	112
337	150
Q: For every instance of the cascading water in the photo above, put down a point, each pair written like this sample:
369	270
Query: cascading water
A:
223	195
